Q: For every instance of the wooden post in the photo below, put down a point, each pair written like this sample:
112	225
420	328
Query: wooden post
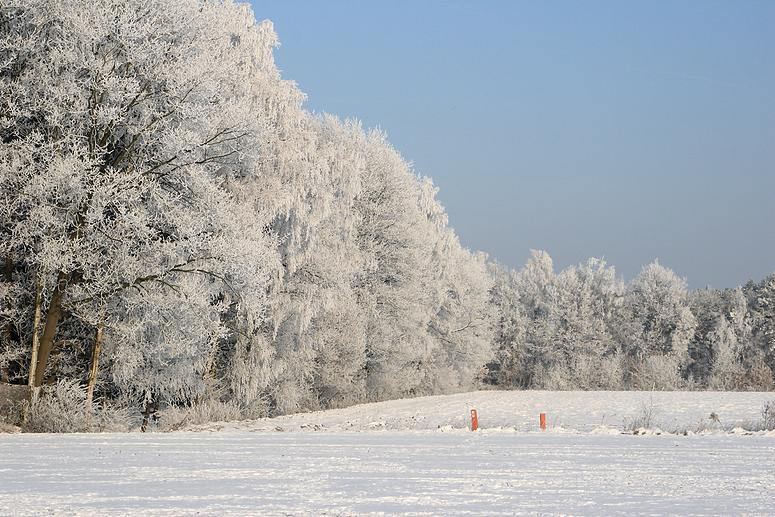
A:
474	420
542	421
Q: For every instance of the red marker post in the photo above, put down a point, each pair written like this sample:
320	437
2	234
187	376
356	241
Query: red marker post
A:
474	420
542	421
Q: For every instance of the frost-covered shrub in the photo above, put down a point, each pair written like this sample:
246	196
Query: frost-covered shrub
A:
585	373
657	373
765	423
612	371
599	373
556	378
645	419
173	418
116	416
761	377
60	408
8	428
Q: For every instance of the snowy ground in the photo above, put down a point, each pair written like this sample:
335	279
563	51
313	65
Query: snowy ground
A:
509	468
517	411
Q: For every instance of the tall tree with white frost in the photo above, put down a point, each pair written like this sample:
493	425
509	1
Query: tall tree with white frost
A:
318	330
584	302
660	326
511	366
462	326
533	284
395	285
760	357
121	122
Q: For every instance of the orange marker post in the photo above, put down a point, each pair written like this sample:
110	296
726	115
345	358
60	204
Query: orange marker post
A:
474	420
542	421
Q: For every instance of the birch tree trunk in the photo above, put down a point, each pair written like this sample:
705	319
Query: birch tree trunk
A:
35	332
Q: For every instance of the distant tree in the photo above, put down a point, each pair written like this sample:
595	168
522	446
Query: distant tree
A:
727	372
533	284
759	357
660	326
510	367
707	306
585	300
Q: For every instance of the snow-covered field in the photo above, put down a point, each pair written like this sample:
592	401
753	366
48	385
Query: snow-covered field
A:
517	411
394	458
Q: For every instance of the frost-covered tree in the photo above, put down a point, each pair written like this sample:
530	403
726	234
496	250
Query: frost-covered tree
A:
393	285
177	230
462	326
510	366
556	331
723	350
122	124
317	327
534	284
584	302
727	372
166	199
338	330
759	357
707	306
658	326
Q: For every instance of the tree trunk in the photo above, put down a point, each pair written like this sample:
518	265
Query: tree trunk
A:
95	361
35	331
8	270
8	278
53	314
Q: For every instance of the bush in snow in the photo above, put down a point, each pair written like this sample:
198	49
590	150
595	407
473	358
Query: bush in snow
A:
173	418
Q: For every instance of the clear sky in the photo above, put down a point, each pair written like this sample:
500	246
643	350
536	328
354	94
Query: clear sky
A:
624	130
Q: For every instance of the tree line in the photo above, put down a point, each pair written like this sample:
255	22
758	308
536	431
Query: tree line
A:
584	328
176	229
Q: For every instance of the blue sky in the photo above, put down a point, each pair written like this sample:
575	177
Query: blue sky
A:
624	130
